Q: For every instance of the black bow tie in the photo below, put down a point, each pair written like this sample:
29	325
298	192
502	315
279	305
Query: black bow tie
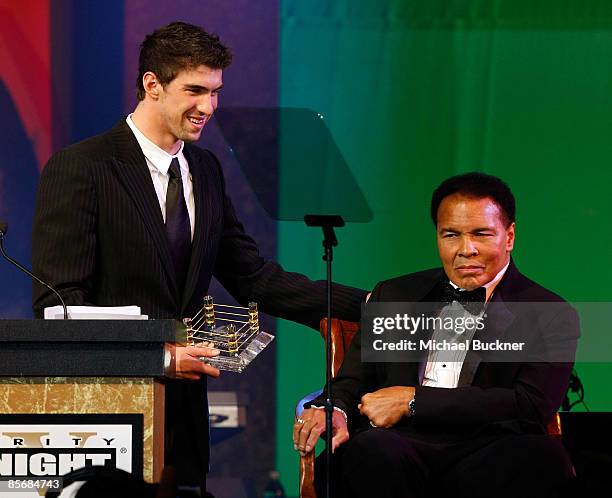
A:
473	301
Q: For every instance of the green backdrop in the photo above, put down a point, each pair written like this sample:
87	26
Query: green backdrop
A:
414	92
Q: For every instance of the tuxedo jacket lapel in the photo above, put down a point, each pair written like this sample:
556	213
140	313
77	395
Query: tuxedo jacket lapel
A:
133	172
498	320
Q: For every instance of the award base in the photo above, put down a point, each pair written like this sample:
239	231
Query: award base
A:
237	362
239	339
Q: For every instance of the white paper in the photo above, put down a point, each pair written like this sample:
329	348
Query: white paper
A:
95	313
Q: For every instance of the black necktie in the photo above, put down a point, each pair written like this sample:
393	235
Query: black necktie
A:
473	301
178	228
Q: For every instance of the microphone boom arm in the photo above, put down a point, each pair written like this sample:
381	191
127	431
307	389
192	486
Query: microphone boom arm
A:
3	230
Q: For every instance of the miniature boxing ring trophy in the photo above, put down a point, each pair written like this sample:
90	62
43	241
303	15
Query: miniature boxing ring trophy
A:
237	336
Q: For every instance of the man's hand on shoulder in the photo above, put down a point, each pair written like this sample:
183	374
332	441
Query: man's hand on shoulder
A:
185	361
385	407
309	427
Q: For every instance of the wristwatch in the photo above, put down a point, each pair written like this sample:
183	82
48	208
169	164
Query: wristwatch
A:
411	405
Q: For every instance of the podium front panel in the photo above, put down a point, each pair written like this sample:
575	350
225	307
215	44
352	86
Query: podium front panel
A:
68	415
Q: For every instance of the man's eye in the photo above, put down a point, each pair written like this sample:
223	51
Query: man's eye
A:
449	235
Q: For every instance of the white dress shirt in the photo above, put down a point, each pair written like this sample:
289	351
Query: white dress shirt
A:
158	161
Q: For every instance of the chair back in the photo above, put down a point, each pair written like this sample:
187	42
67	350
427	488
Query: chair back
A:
342	333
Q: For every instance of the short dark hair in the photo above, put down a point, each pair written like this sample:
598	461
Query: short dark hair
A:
477	186
178	46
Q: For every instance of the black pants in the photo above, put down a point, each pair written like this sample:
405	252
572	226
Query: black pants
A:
390	463
186	437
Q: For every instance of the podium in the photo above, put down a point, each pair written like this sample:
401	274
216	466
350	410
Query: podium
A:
82	392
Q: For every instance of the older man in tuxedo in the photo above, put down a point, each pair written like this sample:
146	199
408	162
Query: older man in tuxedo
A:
139	215
465	427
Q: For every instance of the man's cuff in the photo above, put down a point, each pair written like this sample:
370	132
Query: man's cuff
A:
169	363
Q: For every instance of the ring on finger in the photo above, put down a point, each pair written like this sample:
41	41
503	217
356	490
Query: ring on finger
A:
300	421
373	424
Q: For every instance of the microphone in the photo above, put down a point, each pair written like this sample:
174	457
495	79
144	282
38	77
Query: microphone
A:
3	230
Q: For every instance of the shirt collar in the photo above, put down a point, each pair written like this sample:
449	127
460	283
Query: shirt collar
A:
157	156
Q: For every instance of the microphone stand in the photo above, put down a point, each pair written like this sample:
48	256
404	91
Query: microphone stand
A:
327	223
3	230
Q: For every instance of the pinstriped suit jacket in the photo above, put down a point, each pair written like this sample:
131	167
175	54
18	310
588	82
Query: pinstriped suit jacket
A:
99	238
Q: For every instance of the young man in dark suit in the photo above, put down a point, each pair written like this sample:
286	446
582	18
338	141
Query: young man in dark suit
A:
139	215
465	427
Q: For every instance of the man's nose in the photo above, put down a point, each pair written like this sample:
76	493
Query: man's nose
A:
468	247
205	105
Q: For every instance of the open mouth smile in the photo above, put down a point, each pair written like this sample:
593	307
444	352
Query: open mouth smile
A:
197	121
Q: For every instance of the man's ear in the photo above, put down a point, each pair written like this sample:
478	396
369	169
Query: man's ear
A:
151	85
510	237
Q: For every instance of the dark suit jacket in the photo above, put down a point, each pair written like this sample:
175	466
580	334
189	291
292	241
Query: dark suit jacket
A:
99	238
517	397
